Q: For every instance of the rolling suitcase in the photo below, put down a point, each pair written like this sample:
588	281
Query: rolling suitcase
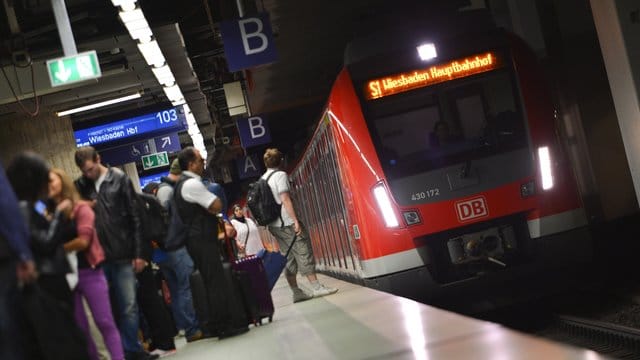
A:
255	288
250	285
274	262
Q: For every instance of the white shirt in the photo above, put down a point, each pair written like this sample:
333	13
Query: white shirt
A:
254	244
100	181
279	183
193	191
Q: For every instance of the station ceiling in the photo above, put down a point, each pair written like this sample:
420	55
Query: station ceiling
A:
310	38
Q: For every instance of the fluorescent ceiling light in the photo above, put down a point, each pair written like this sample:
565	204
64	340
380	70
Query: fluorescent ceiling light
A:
151	53
98	105
131	16
164	75
125	4
173	93
427	51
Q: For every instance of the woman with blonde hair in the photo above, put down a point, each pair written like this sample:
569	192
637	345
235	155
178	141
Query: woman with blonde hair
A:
92	284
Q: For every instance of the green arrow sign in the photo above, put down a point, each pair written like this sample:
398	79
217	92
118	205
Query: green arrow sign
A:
155	160
70	69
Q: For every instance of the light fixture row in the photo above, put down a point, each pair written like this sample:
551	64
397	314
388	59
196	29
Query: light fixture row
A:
134	20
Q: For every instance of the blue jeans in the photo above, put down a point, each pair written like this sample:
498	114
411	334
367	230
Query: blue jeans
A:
122	285
176	270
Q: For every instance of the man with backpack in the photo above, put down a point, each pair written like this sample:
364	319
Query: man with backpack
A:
287	226
178	266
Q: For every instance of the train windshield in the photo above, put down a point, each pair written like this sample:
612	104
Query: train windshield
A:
447	124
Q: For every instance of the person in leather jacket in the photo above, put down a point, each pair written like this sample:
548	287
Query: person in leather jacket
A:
117	222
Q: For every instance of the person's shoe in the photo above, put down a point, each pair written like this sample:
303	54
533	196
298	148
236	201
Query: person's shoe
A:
162	353
140	356
299	295
195	337
232	332
322	290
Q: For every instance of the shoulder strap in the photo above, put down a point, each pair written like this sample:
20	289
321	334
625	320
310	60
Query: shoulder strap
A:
273	172
246	222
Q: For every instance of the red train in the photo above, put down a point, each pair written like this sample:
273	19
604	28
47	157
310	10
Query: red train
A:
437	161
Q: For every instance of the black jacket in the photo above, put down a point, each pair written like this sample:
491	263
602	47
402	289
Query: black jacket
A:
47	239
117	218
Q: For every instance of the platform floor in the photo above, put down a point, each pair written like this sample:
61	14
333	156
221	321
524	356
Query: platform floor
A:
361	323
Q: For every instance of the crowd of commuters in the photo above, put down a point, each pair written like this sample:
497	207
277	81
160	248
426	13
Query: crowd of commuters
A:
69	249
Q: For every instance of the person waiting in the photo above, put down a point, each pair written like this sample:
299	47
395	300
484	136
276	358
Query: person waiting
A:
92	284
248	238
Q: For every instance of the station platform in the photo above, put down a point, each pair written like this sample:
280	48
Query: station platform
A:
362	323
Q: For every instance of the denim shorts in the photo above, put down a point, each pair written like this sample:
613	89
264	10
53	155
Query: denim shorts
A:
301	257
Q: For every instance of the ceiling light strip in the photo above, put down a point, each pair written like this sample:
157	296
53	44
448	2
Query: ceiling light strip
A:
136	23
98	105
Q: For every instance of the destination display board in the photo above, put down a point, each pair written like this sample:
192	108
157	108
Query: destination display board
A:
165	121
459	68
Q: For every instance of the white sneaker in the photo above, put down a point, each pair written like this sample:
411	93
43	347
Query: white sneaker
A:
162	353
322	290
299	295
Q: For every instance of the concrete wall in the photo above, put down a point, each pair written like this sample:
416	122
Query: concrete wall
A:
618	28
46	134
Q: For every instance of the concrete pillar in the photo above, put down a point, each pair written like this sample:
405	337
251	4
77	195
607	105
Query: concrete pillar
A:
46	134
618	26
131	171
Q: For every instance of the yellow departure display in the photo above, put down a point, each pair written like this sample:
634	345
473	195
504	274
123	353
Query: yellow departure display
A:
398	83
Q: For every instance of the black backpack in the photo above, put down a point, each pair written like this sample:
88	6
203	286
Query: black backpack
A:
154	218
261	202
178	230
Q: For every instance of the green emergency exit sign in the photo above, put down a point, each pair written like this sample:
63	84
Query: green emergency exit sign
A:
70	69
155	160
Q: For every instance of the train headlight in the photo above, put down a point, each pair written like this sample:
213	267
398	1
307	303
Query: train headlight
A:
545	167
384	205
427	51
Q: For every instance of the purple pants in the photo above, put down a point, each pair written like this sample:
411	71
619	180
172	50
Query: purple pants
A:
92	285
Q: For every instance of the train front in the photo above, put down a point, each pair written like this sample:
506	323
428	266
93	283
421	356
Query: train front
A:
452	166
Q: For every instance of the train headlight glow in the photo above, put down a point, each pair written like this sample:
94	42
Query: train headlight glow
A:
427	51
545	167
384	204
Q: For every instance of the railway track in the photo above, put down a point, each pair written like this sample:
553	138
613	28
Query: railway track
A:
608	339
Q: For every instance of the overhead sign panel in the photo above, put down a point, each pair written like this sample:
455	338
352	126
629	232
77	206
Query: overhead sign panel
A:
132	152
71	69
155	160
169	120
253	131
249	166
248	42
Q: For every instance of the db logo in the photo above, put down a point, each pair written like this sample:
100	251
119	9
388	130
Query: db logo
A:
471	209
